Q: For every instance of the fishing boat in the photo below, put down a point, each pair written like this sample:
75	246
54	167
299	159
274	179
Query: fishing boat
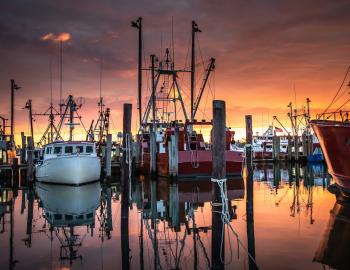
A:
168	141
194	155
262	144
334	139
73	163
68	162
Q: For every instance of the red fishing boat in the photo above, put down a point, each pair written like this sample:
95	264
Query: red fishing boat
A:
334	138
167	134
194	155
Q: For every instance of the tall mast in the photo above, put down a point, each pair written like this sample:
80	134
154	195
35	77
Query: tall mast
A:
153	94
51	116
61	56
138	25
193	64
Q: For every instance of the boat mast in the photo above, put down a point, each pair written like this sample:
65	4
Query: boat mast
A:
193	65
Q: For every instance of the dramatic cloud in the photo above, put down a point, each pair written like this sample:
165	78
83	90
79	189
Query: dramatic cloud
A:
263	49
61	37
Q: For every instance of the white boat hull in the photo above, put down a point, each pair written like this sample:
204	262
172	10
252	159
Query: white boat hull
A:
71	170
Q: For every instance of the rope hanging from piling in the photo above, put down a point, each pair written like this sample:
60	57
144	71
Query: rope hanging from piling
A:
225	217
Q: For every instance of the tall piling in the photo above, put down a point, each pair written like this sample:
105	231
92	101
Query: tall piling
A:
153	142
296	147
30	159
108	161
218	173
250	191
24	148
125	187
173	151
276	147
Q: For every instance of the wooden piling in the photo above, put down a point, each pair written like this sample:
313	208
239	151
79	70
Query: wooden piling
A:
108	162
289	149
218	172
296	147
30	159
250	191
276	147
24	148
125	187
174	154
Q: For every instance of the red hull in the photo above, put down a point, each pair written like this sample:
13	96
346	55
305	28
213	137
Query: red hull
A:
197	163
334	139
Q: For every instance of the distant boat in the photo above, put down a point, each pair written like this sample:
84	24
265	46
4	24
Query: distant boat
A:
72	163
334	137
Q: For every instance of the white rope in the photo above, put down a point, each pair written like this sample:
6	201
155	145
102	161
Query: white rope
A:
225	217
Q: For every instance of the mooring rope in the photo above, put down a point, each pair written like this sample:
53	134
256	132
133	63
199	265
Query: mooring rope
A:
225	217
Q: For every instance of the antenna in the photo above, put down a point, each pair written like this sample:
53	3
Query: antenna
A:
101	69
50	69
172	41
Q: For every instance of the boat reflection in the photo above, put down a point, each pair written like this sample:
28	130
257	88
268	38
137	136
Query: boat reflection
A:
333	249
65	208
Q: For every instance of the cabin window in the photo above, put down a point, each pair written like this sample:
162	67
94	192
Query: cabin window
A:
57	216
90	215
79	149
68	149
48	150
68	217
89	149
79	217
57	150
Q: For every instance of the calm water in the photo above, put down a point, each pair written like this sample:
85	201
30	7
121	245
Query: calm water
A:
297	224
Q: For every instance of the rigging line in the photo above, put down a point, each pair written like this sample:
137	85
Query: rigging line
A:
101	69
339	89
346	102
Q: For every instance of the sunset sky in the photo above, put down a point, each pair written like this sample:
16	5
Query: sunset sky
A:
263	50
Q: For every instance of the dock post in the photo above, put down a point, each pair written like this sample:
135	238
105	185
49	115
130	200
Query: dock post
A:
276	147
304	141
250	191
218	173
125	187
174	154
289	149
23	150
108	163
30	159
296	147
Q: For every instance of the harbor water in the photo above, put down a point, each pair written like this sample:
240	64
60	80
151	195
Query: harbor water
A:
296	223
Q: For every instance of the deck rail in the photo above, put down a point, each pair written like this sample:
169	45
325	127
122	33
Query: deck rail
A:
340	115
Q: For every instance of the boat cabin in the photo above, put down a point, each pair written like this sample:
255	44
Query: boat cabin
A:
69	148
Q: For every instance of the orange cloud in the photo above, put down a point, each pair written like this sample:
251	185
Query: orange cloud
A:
59	37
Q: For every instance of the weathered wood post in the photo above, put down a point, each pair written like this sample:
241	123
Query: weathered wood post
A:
153	139
304	143
24	148
124	224
30	159
108	163
296	147
289	149
250	191
174	154
218	173
276	147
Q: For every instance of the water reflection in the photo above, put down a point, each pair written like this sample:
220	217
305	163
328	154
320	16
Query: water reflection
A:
334	248
162	224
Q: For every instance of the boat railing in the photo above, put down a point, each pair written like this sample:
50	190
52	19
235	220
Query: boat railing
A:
342	116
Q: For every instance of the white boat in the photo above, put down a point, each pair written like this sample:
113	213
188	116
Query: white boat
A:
72	163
